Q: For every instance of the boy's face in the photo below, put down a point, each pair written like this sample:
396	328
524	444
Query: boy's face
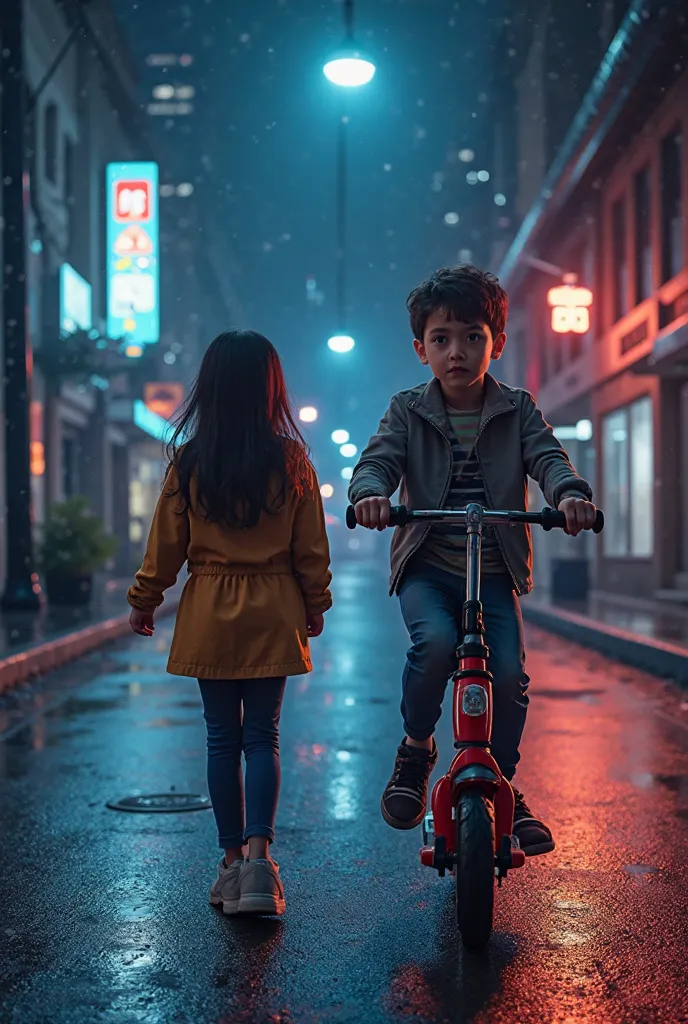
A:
458	353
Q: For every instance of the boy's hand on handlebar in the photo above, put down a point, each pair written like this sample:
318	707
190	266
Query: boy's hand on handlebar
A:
580	514
373	513
316	624
142	622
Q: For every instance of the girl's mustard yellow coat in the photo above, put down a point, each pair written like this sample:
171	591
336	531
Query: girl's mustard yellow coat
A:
243	610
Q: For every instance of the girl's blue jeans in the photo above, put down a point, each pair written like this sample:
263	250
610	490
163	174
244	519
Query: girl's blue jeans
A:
242	715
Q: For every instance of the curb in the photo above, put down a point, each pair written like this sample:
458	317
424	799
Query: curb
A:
52	654
659	657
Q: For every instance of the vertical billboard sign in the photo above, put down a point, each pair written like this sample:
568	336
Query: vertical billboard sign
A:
133	253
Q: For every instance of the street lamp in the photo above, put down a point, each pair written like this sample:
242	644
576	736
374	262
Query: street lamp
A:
308	414
349	68
340	436
340	343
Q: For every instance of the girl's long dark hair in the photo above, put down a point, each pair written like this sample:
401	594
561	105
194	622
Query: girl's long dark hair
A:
237	434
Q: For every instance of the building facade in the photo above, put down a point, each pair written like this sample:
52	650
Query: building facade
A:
97	438
612	212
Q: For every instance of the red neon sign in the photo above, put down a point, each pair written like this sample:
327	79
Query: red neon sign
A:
132	201
570	309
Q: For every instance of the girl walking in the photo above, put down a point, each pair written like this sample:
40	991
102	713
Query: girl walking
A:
241	505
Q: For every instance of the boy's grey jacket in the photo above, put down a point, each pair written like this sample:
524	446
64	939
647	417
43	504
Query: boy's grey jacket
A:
412	446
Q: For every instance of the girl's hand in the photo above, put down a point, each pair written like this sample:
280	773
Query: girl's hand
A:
316	624
142	622
580	514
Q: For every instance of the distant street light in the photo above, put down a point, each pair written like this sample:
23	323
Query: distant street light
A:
341	343
326	491
348	450
347	472
340	436
349	67
308	414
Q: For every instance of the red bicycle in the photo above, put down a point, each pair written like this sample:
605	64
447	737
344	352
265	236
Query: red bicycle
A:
469	831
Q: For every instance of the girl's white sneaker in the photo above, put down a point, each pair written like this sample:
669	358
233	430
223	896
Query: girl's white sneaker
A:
225	888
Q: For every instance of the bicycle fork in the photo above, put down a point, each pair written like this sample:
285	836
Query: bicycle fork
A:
473	764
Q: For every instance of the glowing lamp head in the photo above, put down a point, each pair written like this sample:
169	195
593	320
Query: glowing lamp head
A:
308	414
340	436
326	491
349	68
341	343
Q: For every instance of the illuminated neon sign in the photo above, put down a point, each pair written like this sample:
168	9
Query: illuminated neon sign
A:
570	309
75	301
133	253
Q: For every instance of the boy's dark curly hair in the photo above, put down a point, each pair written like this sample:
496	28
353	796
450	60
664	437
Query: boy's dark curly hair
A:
464	293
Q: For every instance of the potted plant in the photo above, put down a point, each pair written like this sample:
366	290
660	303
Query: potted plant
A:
74	546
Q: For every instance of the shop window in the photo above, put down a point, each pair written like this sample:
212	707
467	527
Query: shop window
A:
672	226
620	259
643	235
69	171
50	142
70	481
628	481
69	182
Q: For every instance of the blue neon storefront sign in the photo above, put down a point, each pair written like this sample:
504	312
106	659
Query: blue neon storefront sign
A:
133	253
76	308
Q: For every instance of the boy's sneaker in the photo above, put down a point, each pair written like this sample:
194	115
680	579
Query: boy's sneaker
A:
225	888
533	836
261	888
405	798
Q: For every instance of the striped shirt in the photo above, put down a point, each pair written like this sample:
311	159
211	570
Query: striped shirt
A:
445	546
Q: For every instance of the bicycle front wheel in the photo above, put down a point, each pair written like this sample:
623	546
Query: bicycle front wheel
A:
475	867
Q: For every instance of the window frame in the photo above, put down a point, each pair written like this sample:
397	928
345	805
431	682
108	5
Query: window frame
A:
619	254
671	139
628	548
51	142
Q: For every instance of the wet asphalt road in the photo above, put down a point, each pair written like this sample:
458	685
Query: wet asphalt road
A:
104	916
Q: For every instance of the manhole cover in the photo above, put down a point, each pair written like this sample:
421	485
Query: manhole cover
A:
160	803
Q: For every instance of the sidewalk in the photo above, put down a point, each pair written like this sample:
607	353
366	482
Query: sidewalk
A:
34	643
653	638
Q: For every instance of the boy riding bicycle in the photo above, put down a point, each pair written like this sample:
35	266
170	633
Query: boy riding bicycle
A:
462	438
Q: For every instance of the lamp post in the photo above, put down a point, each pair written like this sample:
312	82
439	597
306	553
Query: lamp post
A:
348	67
22	590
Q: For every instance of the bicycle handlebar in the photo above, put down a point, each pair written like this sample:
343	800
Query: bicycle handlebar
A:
548	519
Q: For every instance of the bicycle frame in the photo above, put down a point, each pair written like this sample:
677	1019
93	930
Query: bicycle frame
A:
473	764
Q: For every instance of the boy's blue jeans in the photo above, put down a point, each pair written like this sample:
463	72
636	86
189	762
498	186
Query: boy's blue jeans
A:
431	603
243	715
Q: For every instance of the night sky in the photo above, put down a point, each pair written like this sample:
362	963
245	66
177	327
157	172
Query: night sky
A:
262	154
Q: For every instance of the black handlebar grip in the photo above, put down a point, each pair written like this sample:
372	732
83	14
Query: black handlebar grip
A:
398	515
552	520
